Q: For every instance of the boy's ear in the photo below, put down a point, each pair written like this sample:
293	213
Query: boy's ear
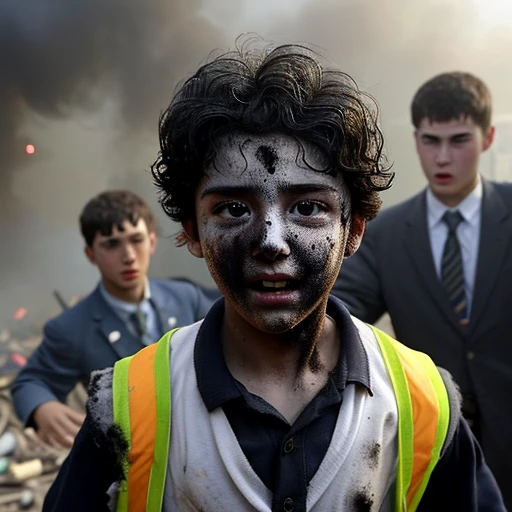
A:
355	236
90	254
152	242
190	228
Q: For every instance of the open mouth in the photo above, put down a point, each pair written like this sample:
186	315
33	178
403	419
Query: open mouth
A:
443	176
275	286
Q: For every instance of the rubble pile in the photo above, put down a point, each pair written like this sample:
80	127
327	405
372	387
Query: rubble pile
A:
27	465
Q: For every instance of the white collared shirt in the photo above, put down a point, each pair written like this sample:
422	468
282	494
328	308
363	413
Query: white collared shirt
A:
468	234
124	309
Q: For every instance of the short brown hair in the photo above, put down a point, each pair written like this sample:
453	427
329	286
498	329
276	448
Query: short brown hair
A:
112	208
450	96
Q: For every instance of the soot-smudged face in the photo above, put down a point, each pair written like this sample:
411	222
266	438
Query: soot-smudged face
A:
271	229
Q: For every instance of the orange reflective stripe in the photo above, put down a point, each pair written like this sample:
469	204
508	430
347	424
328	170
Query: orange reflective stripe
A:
425	415
142	399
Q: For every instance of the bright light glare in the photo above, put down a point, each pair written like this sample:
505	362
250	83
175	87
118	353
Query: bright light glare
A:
30	149
495	12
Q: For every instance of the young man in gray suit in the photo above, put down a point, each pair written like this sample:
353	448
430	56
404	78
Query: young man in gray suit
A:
440	263
125	312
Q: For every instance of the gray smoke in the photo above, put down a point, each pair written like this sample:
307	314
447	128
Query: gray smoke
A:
58	56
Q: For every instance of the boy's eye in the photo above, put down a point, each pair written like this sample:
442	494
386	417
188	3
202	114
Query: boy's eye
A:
111	244
234	209
307	208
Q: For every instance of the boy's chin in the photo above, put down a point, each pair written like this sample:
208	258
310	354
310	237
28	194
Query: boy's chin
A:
274	322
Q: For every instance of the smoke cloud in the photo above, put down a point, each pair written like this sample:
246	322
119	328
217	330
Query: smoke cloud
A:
58	56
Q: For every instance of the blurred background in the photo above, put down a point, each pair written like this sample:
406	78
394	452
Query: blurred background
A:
82	83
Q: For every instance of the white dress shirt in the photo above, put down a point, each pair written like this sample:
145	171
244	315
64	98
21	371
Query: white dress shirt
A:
125	309
468	233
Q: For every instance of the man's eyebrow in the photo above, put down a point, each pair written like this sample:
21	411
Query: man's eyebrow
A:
461	135
250	190
430	136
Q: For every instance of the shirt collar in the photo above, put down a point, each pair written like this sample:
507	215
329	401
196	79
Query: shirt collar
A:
469	208
121	305
217	385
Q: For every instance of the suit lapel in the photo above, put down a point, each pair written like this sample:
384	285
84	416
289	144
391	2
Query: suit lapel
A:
164	307
113	330
494	241
417	245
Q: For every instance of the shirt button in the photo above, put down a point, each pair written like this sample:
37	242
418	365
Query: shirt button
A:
470	355
288	447
288	505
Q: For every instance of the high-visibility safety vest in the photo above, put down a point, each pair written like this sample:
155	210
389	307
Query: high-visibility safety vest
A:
142	409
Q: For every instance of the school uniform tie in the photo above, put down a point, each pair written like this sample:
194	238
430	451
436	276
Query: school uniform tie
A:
139	322
452	270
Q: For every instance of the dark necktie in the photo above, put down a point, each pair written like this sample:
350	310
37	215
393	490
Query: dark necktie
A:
452	270
139	322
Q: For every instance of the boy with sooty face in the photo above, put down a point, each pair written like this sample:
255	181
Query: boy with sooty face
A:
281	401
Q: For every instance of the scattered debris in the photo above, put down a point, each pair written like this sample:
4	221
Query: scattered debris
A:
27	465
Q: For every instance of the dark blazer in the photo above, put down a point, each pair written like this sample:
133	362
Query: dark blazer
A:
394	271
91	336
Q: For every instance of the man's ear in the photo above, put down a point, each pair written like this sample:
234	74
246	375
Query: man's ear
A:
355	236
488	138
90	254
190	228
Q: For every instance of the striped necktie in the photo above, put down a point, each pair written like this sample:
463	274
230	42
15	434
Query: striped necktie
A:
139	322
452	271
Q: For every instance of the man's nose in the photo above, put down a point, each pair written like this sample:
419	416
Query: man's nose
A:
271	239
444	155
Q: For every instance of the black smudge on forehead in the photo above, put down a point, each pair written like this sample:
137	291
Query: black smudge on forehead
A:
268	157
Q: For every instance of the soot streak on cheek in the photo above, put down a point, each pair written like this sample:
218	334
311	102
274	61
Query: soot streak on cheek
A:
268	157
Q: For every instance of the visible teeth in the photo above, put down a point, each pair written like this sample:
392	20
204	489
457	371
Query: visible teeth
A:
274	284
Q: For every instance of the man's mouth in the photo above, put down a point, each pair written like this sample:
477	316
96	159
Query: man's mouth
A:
443	177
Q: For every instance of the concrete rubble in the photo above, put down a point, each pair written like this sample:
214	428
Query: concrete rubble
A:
27	465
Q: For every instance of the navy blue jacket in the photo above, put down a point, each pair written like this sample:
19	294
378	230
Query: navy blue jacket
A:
91	336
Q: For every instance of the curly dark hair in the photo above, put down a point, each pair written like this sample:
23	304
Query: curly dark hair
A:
258	89
450	96
112	208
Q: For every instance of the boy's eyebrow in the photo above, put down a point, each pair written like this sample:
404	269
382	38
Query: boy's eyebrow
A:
121	236
250	190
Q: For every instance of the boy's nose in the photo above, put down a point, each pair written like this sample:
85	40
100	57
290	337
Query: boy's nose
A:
271	239
128	254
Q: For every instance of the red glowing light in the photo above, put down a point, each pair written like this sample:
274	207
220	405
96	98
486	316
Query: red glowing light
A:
30	149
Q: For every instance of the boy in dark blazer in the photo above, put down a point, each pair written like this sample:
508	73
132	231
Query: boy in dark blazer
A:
448	289
125	312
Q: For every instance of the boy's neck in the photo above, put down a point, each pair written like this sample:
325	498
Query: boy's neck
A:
288	369
133	295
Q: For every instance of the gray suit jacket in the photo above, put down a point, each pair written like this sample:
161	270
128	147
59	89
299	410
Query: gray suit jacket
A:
91	336
394	271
